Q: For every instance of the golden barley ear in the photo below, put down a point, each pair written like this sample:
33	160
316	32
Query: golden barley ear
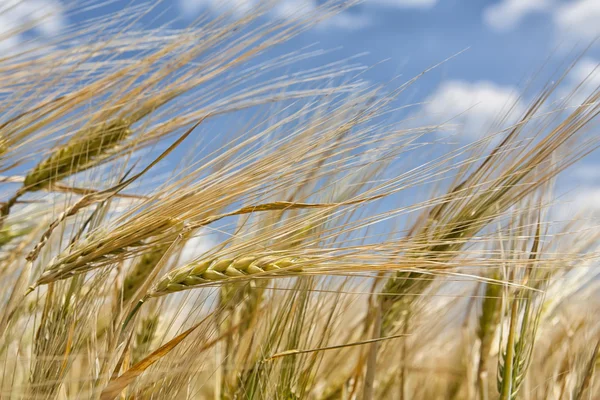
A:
227	269
78	154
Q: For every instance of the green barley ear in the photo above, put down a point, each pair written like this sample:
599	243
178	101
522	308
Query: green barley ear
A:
136	277
515	357
7	234
489	319
399	293
144	338
524	318
78	154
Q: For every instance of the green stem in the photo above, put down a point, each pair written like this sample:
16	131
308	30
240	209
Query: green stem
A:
506	391
132	314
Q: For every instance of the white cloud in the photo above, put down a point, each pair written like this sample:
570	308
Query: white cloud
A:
284	9
474	105
294	8
587	69
509	13
581	82
347	21
238	6
47	16
587	173
197	246
579	19
297	8
404	3
574	20
287	9
582	204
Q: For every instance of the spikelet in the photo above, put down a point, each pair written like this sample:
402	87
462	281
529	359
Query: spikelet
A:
216	270
78	154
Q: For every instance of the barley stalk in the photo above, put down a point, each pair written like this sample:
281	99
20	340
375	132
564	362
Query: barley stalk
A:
588	373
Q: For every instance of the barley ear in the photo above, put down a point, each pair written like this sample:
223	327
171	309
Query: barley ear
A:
78	154
144	337
489	319
221	270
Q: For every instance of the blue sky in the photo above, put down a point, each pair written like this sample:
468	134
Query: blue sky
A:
506	42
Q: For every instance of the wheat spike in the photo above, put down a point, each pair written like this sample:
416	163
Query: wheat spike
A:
98	250
216	270
77	154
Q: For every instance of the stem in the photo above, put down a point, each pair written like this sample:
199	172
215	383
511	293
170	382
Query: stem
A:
482	383
132	314
372	357
404	353
506	392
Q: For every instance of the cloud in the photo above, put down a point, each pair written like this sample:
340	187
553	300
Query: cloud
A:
588	202
587	173
582	204
507	14
198	245
283	9
238	6
474	105
287	9
296	8
587	69
424	4
574	20
578	20
581	82
47	16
